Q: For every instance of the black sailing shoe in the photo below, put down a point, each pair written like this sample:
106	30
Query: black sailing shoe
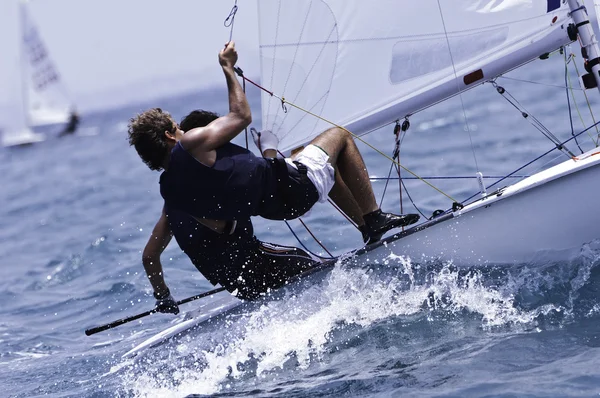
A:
378	223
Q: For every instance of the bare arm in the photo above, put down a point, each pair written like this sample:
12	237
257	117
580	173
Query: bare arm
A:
160	238
225	128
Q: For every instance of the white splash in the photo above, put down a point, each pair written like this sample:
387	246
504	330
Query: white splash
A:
298	330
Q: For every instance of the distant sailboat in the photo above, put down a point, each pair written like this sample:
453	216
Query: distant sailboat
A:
44	96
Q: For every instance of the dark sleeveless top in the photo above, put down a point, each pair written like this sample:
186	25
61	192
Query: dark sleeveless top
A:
218	257
237	186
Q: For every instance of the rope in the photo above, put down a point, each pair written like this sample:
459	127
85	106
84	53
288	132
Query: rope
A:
229	23
299	241
342	213
284	101
230	20
396	151
412	201
315	238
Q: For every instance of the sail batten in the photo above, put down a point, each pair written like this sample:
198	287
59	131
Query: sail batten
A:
364	64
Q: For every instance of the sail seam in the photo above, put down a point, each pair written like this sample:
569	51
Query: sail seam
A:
409	37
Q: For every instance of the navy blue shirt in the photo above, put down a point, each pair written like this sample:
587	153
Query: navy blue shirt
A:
237	186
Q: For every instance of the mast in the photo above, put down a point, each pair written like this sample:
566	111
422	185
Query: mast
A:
589	43
24	88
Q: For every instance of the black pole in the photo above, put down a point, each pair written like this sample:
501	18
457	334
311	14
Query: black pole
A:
119	322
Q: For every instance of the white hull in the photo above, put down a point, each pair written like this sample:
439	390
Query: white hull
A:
24	136
551	214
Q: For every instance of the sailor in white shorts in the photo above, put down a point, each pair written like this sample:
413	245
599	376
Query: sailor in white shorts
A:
318	169
310	176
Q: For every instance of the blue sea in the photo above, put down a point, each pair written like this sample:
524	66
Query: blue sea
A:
77	211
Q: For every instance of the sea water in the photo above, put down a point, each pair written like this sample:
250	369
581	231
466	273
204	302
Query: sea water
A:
76	212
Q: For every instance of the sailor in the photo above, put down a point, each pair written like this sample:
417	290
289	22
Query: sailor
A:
208	177
72	124
236	260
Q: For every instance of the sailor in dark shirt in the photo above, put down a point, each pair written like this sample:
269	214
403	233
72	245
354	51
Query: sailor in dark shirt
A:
208	177
235	259
72	124
217	182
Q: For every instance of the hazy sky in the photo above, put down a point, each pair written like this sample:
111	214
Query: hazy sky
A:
105	46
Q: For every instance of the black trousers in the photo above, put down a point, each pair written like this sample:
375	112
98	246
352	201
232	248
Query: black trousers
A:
269	266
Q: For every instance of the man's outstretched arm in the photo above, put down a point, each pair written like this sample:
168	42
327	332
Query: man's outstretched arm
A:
159	240
225	128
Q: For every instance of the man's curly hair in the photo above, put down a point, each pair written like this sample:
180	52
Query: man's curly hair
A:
197	118
147	135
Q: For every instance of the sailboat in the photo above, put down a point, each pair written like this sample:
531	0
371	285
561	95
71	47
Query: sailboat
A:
45	100
365	65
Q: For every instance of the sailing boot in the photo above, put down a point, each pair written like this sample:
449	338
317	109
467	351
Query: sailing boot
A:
378	223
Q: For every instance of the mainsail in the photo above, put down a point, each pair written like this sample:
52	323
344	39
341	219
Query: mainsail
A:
363	64
44	96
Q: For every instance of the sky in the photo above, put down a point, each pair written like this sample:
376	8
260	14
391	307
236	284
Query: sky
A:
111	52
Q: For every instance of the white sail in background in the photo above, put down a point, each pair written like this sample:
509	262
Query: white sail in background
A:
45	98
363	64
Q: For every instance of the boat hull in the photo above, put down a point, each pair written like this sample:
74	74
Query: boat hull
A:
549	215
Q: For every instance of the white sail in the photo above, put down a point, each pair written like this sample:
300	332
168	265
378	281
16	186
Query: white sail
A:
363	64
45	98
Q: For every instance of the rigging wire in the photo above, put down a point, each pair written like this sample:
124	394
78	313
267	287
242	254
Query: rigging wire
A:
458	87
444	177
571	90
587	100
532	119
284	101
569	100
511	175
230	20
538	83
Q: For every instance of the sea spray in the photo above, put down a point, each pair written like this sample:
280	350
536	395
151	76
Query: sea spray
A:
300	329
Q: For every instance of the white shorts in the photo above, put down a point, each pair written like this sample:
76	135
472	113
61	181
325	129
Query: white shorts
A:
318	170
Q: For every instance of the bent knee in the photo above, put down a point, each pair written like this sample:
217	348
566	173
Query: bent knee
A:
337	131
336	134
